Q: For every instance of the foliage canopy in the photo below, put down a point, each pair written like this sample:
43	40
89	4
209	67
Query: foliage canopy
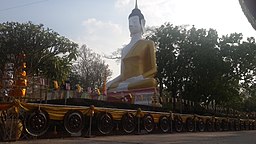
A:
90	70
198	65
47	53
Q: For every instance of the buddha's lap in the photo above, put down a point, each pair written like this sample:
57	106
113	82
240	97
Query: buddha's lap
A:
145	83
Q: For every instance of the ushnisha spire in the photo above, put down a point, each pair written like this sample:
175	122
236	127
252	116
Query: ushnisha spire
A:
136	12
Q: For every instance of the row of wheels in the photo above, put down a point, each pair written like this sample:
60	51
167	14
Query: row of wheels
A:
191	125
130	123
37	122
209	125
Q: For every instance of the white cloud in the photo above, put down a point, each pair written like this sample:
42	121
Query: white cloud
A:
122	3
156	12
104	38
93	26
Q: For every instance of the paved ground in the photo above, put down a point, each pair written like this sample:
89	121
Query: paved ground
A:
238	137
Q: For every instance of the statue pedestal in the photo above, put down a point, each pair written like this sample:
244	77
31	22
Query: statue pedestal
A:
144	96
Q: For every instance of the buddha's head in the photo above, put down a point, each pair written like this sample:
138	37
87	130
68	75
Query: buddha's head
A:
136	21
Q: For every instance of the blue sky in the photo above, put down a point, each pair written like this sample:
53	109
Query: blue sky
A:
103	25
63	16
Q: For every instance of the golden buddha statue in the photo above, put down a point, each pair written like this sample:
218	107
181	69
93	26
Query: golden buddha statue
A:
138	59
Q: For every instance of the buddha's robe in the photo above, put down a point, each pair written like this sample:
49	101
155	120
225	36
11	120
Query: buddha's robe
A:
139	68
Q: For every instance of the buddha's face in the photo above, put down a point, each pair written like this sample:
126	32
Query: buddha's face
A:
134	25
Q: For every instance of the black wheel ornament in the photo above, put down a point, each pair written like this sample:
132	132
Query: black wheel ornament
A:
224	125
250	125
237	125
178	125
217	125
201	125
190	124
148	123
74	121
209	125
2	132
128	122
231	125
105	123
242	125
245	126
164	124
36	122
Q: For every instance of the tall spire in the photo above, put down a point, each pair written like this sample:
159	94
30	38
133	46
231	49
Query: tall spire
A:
136	5
136	12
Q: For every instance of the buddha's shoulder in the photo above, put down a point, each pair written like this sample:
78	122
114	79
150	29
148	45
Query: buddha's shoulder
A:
147	42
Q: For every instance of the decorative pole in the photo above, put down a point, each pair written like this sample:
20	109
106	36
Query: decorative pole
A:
104	88
139	115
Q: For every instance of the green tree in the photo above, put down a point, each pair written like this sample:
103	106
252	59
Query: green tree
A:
47	53
240	56
90	69
198	65
167	38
